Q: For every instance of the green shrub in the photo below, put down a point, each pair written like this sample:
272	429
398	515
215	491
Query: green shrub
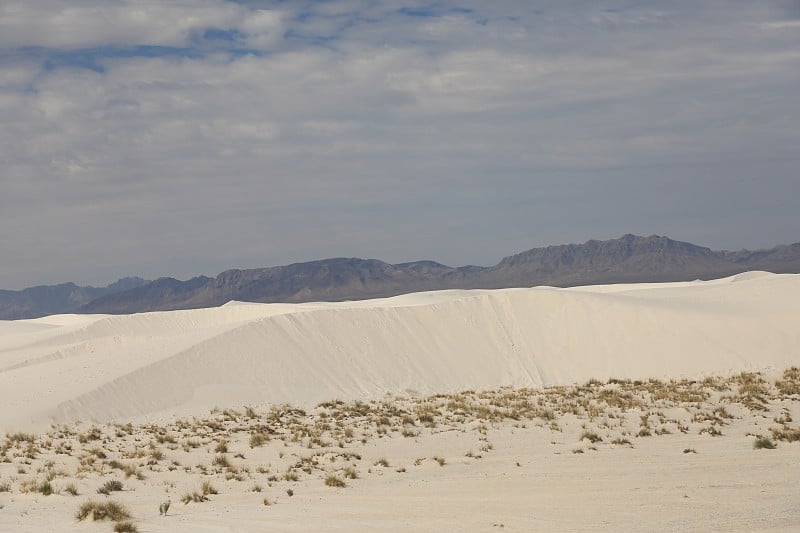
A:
762	443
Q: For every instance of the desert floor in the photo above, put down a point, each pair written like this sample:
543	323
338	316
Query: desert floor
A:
631	455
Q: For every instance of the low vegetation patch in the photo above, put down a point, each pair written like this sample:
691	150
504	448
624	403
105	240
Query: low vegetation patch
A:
764	443
110	510
333	481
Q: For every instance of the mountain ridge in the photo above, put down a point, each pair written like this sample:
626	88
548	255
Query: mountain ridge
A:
628	259
44	300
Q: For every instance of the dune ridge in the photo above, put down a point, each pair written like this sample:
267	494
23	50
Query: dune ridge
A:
177	363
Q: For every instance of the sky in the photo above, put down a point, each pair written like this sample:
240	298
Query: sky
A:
157	138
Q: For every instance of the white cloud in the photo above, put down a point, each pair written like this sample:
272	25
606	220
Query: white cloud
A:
98	23
480	122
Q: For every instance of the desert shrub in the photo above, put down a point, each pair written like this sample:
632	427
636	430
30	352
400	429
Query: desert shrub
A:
193	496
125	527
786	433
790	384
46	489
333	481
591	436
110	486
100	511
207	488
222	460
763	443
258	438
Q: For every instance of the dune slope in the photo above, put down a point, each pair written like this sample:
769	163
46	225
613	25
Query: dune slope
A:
155	365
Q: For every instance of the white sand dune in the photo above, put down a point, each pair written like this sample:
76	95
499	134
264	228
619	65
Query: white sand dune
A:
156	365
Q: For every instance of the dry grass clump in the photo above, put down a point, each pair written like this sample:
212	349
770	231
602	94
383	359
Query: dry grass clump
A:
111	510
753	392
110	486
222	460
206	488
46	489
125	527
790	384
193	496
786	433
332	481
591	436
258	438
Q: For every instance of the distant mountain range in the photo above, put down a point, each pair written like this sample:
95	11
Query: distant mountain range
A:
56	299
629	259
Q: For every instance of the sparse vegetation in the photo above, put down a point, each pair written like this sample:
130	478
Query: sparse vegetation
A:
298	447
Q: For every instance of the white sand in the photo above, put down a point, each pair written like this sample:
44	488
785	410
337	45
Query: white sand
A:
155	365
514	475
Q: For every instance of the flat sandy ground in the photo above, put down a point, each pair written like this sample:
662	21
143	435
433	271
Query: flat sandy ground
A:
629	407
656	456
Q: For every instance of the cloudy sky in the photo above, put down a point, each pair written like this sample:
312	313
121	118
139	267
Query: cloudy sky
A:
179	138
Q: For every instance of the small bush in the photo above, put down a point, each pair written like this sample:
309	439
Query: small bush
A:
207	488
100	511
110	486
786	433
222	460
764	443
259	438
46	489
125	527
591	436
333	481
193	496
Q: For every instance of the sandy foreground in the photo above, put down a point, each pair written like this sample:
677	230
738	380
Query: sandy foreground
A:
630	406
